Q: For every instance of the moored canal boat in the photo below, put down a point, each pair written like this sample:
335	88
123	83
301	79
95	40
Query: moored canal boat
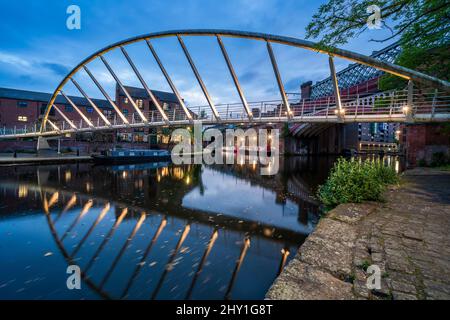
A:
131	156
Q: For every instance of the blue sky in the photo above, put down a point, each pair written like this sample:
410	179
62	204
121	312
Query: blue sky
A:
37	49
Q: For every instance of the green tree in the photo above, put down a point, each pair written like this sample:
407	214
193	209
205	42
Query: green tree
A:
422	26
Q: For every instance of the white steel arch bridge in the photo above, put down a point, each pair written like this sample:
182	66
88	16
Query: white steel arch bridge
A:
409	105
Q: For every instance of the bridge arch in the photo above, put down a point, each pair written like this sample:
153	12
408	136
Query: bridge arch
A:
268	38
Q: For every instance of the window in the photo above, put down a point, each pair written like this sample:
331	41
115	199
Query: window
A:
125	112
68	108
89	109
165	106
22	118
43	108
139	103
125	100
22	104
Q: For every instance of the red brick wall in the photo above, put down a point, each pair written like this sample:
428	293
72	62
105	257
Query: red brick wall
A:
420	141
10	111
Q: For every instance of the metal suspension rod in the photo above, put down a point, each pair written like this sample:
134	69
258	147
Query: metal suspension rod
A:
199	78
138	268
144	84
99	112
208	249
183	236
133	103
82	115
237	267
234	76
339	110
106	95
273	60
83	211
54	126
88	233
122	250
69	205
106	239
169	81
65	117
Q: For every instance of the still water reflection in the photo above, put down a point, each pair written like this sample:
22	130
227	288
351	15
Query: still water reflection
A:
153	231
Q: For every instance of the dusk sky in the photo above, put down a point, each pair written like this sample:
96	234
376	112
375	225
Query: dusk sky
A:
37	50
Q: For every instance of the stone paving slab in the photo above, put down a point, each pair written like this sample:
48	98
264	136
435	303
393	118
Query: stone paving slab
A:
407	237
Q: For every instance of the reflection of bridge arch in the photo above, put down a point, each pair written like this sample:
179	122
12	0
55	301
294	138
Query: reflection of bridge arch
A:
57	203
406	104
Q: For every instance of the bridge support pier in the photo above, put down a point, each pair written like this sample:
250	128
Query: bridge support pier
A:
423	143
42	144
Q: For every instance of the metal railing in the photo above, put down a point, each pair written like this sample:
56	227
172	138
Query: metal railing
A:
390	106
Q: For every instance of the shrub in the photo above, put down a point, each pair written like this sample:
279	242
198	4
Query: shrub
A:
356	181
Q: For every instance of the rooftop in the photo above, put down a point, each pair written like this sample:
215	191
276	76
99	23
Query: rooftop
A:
18	94
141	93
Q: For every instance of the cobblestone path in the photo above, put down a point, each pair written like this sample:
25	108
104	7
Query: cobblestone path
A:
408	237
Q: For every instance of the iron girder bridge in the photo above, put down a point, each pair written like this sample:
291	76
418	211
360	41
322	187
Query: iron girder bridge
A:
409	105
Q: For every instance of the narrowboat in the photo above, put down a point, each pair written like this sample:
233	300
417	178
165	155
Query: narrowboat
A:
131	156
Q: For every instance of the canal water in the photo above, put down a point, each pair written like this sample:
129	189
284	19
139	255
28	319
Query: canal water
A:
153	231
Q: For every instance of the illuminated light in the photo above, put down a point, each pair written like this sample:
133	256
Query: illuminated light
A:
268	232
88	187
53	199
405	109
124	174
340	111
188	180
23	191
67	176
158	178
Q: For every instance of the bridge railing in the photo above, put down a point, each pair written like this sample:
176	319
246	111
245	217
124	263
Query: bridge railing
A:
384	106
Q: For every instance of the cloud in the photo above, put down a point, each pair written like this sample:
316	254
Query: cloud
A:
13	60
32	67
56	68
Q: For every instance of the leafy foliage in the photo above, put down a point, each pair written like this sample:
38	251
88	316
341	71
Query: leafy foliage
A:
423	27
356	181
420	23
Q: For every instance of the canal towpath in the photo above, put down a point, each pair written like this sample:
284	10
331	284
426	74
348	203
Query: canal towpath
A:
407	237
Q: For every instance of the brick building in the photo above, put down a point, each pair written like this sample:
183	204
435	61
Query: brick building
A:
20	108
168	102
23	107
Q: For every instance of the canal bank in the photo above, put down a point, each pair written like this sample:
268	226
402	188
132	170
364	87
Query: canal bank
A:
43	160
406	237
